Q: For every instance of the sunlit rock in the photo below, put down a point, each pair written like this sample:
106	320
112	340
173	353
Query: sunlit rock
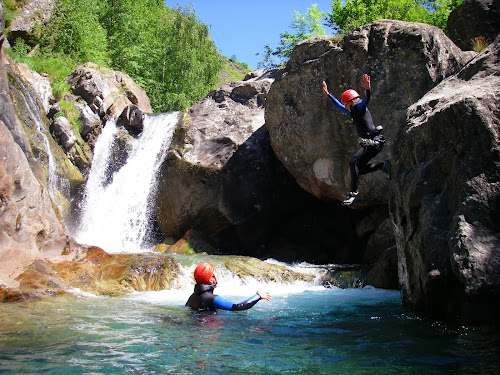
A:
220	171
313	139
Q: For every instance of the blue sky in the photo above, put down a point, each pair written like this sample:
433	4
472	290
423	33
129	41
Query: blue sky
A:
243	28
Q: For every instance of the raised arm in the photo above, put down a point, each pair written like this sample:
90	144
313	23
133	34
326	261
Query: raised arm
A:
365	82
334	101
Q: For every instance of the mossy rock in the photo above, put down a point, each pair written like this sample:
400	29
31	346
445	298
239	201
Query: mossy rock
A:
245	267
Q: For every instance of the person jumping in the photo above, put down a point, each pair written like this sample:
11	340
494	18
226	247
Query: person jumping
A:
370	139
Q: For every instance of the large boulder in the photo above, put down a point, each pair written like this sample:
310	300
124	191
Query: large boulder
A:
102	90
313	139
473	22
62	129
28	17
98	88
219	170
446	197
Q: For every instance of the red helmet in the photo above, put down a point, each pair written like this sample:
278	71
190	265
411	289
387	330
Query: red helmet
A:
203	272
348	95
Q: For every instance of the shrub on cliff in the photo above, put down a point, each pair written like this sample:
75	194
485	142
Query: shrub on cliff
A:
348	15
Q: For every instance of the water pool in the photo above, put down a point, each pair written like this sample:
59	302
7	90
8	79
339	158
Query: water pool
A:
312	331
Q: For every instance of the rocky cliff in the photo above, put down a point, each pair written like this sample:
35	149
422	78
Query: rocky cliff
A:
439	108
313	139
30	227
446	195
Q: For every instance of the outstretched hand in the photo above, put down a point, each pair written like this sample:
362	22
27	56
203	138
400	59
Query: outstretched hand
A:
325	88
366	82
264	295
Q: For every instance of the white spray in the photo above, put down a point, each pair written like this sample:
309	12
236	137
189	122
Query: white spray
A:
116	216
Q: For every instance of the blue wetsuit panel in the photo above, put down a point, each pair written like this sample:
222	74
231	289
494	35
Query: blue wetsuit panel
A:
338	104
223	304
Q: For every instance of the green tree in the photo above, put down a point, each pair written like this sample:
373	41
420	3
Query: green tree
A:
348	15
304	26
166	51
75	30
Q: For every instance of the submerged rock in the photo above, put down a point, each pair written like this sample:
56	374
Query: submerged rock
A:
100	273
245	267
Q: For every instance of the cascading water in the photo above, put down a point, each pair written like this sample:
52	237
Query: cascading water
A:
116	215
31	108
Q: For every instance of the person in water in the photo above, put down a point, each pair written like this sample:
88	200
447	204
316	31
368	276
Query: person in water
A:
204	298
370	140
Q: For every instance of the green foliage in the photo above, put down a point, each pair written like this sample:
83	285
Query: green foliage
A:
304	26
55	66
233	71
348	15
166	51
10	9
74	30
72	114
480	43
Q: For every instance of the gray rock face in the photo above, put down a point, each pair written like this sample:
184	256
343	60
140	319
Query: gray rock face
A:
313	139
446	196
29	227
101	90
218	172
474	19
62	129
40	85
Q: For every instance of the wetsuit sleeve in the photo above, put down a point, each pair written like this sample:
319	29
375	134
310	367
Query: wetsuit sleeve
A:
221	303
364	102
338	104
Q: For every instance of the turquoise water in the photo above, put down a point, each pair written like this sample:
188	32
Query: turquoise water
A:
309	331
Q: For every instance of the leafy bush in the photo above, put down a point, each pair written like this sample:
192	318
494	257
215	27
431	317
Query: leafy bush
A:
348	15
304	26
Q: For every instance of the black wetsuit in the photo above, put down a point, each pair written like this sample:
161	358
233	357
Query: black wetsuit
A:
204	298
362	118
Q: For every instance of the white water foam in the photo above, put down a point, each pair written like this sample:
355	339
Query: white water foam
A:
116	216
230	286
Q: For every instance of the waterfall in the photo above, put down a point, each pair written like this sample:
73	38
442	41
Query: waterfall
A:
116	212
31	108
